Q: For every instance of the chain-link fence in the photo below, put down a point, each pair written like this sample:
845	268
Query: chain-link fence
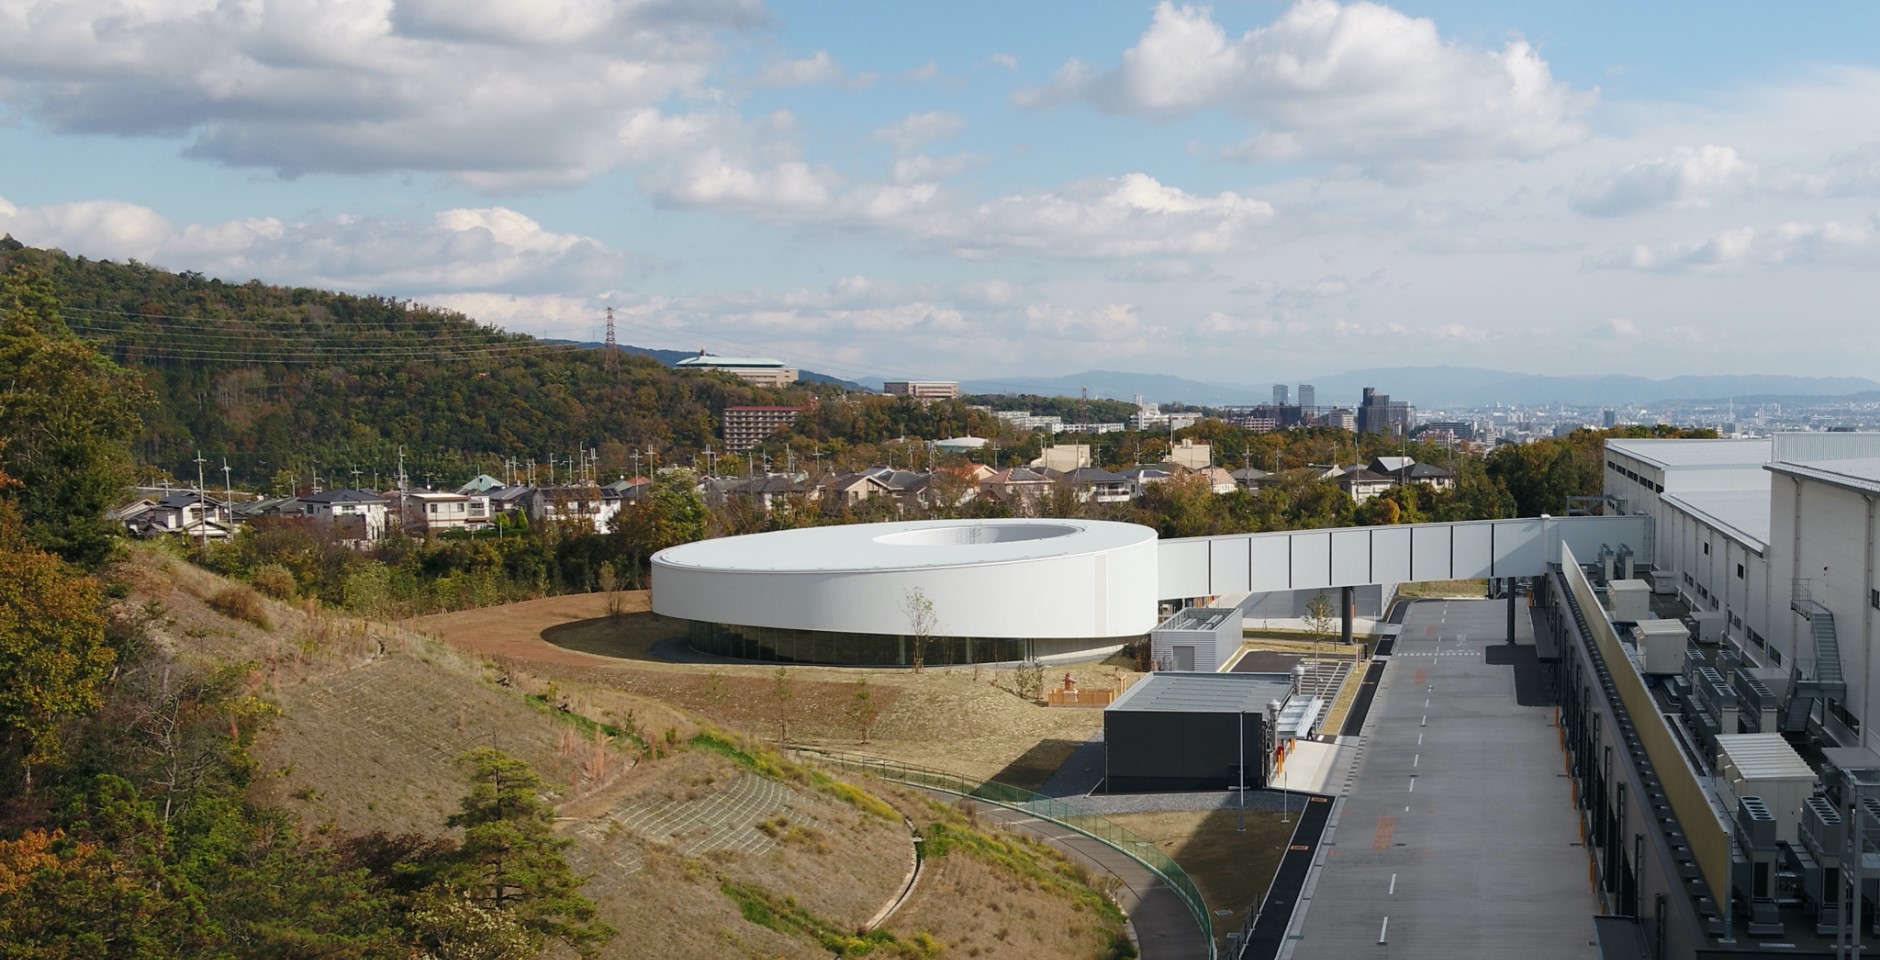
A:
1068	813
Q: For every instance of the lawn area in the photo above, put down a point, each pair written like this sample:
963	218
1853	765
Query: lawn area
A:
1232	868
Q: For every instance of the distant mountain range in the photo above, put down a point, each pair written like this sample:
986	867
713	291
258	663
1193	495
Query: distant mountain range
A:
1430	387
1426	387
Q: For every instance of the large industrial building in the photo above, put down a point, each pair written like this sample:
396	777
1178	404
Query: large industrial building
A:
1716	692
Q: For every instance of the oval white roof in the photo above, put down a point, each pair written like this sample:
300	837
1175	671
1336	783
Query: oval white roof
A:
907	545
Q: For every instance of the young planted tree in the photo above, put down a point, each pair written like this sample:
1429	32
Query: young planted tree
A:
921	621
782	701
610	585
512	862
1321	620
863	709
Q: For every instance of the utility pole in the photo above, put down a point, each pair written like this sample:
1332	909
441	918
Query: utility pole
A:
202	505
228	494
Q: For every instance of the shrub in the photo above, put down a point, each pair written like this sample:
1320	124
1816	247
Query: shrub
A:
274	580
242	603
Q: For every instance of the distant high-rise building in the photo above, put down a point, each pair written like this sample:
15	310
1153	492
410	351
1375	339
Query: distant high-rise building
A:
1279	395
1379	414
1308	407
1610	419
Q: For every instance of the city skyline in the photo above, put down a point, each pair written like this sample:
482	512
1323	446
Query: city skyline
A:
1243	193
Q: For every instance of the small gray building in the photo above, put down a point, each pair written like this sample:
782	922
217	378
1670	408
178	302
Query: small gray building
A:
1192	731
1196	639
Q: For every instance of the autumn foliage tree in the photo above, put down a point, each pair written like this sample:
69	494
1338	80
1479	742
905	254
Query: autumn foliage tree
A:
54	658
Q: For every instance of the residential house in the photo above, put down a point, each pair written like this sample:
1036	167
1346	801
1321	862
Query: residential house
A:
1142	478
1406	470
580	505
1096	485
1251	478
184	512
510	501
427	512
1362	484
357	517
770	491
1217	479
1017	487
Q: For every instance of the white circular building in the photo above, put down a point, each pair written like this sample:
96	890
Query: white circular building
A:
1000	590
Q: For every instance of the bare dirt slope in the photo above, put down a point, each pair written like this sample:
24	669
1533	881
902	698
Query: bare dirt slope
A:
964	721
672	834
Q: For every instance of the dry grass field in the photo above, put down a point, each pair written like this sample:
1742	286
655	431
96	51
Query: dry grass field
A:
946	718
677	838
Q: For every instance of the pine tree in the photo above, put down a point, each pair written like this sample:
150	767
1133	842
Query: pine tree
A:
512	861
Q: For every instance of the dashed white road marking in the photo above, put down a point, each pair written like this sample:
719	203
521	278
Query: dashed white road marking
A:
1393	884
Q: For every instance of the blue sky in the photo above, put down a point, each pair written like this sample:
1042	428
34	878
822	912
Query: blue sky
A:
1246	192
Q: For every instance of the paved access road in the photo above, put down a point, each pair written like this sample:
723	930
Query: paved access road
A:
1458	838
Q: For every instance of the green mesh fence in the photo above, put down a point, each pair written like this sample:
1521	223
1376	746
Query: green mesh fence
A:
1067	813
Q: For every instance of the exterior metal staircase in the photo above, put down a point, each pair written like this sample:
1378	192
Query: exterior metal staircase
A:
1818	676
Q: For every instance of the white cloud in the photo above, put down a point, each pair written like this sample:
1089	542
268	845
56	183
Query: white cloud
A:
491	248
1360	84
819	67
1687	177
502	94
916	129
1788	243
921	168
1005	60
1129	216
1619	327
713	180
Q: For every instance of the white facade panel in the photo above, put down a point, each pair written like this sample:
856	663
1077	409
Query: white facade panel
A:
1351	557
1520	545
1472	551
1429	551
1271	562
1311	559
1183	570
1228	566
1390	556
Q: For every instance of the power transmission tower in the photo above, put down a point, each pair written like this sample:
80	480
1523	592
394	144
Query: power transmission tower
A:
611	353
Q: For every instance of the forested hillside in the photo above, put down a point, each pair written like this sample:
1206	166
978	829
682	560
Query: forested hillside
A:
290	379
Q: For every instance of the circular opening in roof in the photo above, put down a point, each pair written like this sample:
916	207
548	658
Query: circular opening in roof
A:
967	534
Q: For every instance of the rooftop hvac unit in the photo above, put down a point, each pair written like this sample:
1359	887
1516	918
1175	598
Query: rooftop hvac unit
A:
1661	643
1821	874
1605	563
1707	626
1629	600
1755	876
1625	562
